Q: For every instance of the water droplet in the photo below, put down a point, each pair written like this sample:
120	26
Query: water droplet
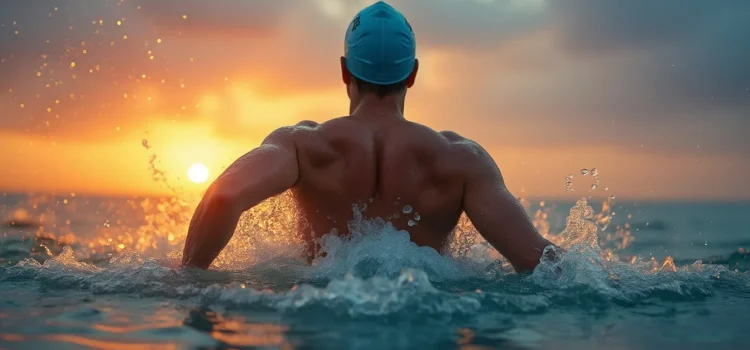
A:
569	183
371	199
612	198
593	187
584	172
407	209
417	216
594	172
412	223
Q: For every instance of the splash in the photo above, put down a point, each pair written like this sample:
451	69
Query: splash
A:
157	227
377	272
376	248
264	232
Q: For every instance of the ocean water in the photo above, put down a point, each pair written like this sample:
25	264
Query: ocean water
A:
102	272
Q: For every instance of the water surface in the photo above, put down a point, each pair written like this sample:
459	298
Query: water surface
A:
102	273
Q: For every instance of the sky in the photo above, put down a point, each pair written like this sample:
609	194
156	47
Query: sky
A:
653	94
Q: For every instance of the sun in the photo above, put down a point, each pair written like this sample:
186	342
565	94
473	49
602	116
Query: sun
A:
197	173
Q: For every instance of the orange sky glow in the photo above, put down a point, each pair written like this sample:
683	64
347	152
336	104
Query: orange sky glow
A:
204	87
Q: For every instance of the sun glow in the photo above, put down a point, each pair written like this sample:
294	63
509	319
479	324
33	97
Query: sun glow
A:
197	173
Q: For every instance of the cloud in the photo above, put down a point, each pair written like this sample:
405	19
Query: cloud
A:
594	26
471	25
665	76
81	68
668	74
694	53
200	18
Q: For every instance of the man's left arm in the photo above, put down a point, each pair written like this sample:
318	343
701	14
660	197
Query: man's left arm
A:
268	170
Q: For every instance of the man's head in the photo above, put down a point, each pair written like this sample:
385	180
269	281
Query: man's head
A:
380	53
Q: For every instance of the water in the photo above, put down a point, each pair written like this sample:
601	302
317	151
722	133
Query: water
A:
100	272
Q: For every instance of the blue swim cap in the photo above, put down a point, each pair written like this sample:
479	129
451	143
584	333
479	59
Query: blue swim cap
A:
380	46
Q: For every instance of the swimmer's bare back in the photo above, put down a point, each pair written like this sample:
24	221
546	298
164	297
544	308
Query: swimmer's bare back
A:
387	164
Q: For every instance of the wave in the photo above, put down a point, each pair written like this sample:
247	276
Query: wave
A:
378	272
738	260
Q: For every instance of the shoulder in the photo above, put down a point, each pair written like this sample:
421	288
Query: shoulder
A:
451	136
307	124
472	157
292	132
462	145
299	128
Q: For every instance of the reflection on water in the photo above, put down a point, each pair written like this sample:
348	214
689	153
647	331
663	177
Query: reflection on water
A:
101	344
237	331
102	273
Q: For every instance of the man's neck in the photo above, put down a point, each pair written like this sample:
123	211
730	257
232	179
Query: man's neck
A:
372	107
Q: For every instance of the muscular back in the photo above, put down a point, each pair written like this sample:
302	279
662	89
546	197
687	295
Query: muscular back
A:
401	171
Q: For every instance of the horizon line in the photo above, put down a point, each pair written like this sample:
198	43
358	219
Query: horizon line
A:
535	197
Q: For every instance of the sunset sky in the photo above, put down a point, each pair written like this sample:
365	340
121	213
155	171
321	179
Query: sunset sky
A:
654	94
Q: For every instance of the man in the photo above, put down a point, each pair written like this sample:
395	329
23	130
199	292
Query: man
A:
373	156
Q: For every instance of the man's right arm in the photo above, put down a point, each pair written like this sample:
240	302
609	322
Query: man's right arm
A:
259	174
496	213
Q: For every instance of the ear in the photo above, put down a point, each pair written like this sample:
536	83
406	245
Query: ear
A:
413	76
346	77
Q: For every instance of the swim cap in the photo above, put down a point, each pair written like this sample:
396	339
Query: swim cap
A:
380	46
